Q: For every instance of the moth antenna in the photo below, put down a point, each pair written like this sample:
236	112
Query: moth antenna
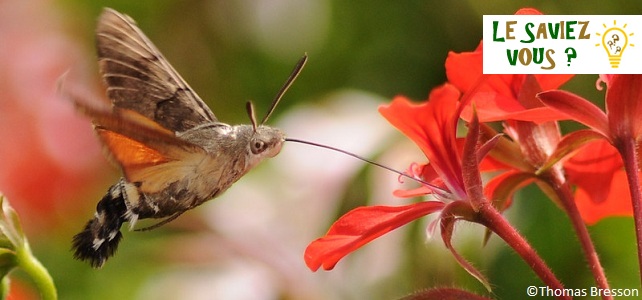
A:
295	73
432	186
250	112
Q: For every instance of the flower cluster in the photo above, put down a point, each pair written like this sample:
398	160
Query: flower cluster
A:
590	174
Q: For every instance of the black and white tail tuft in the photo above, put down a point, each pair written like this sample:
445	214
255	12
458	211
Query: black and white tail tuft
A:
100	238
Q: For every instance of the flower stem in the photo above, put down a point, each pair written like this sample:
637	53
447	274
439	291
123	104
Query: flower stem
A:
629	157
5	284
500	226
37	272
563	191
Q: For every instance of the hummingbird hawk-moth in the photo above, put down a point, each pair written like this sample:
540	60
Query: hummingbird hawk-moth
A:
173	151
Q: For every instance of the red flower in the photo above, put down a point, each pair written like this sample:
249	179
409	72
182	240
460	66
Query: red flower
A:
452	174
532	154
457	186
535	145
538	146
495	96
510	98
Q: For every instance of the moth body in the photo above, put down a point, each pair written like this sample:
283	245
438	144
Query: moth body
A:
202	177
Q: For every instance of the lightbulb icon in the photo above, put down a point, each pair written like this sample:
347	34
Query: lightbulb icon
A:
614	41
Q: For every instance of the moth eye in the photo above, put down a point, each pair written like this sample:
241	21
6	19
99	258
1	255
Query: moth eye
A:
258	146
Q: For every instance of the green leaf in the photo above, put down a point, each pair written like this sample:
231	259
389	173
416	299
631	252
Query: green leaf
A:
10	224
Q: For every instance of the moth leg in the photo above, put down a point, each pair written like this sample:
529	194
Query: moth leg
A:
163	222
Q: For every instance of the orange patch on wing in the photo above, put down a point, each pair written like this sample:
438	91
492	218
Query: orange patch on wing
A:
130	154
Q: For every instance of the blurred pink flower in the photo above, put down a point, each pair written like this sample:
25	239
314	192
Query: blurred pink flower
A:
48	155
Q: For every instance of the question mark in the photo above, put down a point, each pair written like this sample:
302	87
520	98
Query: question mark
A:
616	37
570	54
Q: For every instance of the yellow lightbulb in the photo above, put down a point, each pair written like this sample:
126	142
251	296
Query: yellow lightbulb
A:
614	41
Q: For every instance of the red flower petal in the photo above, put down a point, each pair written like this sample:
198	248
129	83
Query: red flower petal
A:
536	141
549	82
602	187
528	11
501	188
420	191
425	172
360	226
464	69
578	108
592	169
495	96
617	202
432	126
536	115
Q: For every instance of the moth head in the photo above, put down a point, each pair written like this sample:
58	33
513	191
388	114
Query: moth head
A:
266	141
260	143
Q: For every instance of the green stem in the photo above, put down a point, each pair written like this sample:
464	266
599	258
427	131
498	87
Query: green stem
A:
5	283
38	273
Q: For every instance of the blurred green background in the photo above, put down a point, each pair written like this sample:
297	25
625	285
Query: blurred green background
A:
249	243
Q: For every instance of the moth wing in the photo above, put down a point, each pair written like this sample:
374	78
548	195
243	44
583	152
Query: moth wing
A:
139	78
125	122
152	167
147	152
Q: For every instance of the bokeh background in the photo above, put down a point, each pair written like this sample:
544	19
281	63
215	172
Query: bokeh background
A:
249	243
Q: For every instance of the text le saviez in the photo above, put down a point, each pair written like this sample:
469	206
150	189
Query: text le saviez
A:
567	30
